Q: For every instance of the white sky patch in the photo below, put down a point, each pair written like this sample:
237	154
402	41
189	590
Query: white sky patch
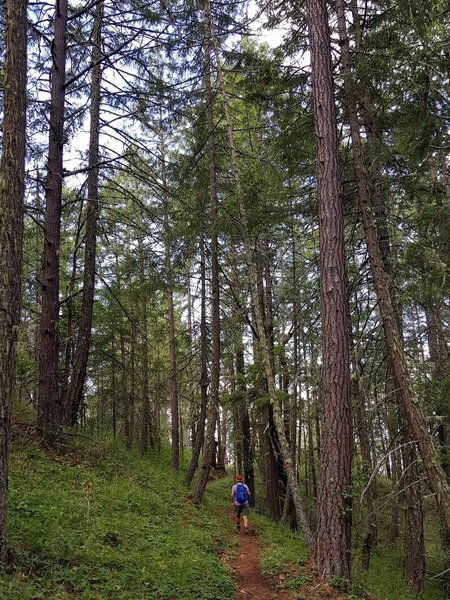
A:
271	37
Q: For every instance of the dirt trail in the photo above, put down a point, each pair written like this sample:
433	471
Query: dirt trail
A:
250	583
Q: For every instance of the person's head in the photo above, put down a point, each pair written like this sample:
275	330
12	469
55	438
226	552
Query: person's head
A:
239	478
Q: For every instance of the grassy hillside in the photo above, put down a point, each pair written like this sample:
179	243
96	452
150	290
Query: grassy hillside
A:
99	523
105	525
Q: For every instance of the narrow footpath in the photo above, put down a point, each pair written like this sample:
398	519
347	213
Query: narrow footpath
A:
245	568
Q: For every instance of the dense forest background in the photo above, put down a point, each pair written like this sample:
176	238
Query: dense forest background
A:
237	251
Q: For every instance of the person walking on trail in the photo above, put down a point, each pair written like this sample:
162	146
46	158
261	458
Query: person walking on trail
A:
240	495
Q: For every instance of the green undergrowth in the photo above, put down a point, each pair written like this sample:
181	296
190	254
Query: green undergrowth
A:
106	524
385	580
283	552
100	523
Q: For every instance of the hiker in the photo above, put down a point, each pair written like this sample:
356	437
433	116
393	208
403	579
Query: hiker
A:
240	495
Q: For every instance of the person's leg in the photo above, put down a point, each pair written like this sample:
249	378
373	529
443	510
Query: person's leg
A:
245	513
237	510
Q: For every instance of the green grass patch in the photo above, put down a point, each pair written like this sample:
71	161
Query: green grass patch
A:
121	529
283	552
385	579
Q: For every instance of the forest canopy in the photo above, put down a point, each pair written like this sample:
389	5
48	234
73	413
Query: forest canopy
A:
237	251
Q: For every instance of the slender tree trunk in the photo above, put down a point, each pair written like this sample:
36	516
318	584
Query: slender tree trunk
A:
247	450
310	424
222	450
238	446
271	466
414	538
295	366
191	369
370	517
69	342
312	462
410	404
332	549
174	402
146	423
210	442
395	476
439	356
127	401
200	429
12	187
75	391
49	409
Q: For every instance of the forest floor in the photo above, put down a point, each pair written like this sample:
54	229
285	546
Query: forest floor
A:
96	522
250	583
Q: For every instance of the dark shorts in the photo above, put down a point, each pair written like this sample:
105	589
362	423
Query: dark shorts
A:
242	510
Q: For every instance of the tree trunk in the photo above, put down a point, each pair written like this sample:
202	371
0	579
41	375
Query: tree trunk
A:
411	407
414	538
247	450
332	549
210	442
69	335
12	186
146	423
49	409
75	391
271	479
174	396
174	402
222	449
440	359
395	476
128	398
200	428
371	535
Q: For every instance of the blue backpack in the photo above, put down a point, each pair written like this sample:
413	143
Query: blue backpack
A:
241	496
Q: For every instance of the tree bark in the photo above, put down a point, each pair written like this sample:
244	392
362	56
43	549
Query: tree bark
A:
247	450
146	438
74	397
332	548
49	408
222	447
12	187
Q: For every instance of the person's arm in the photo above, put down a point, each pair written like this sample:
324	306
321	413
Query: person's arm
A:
233	491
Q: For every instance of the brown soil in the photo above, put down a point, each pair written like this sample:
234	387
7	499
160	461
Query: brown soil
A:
250	583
